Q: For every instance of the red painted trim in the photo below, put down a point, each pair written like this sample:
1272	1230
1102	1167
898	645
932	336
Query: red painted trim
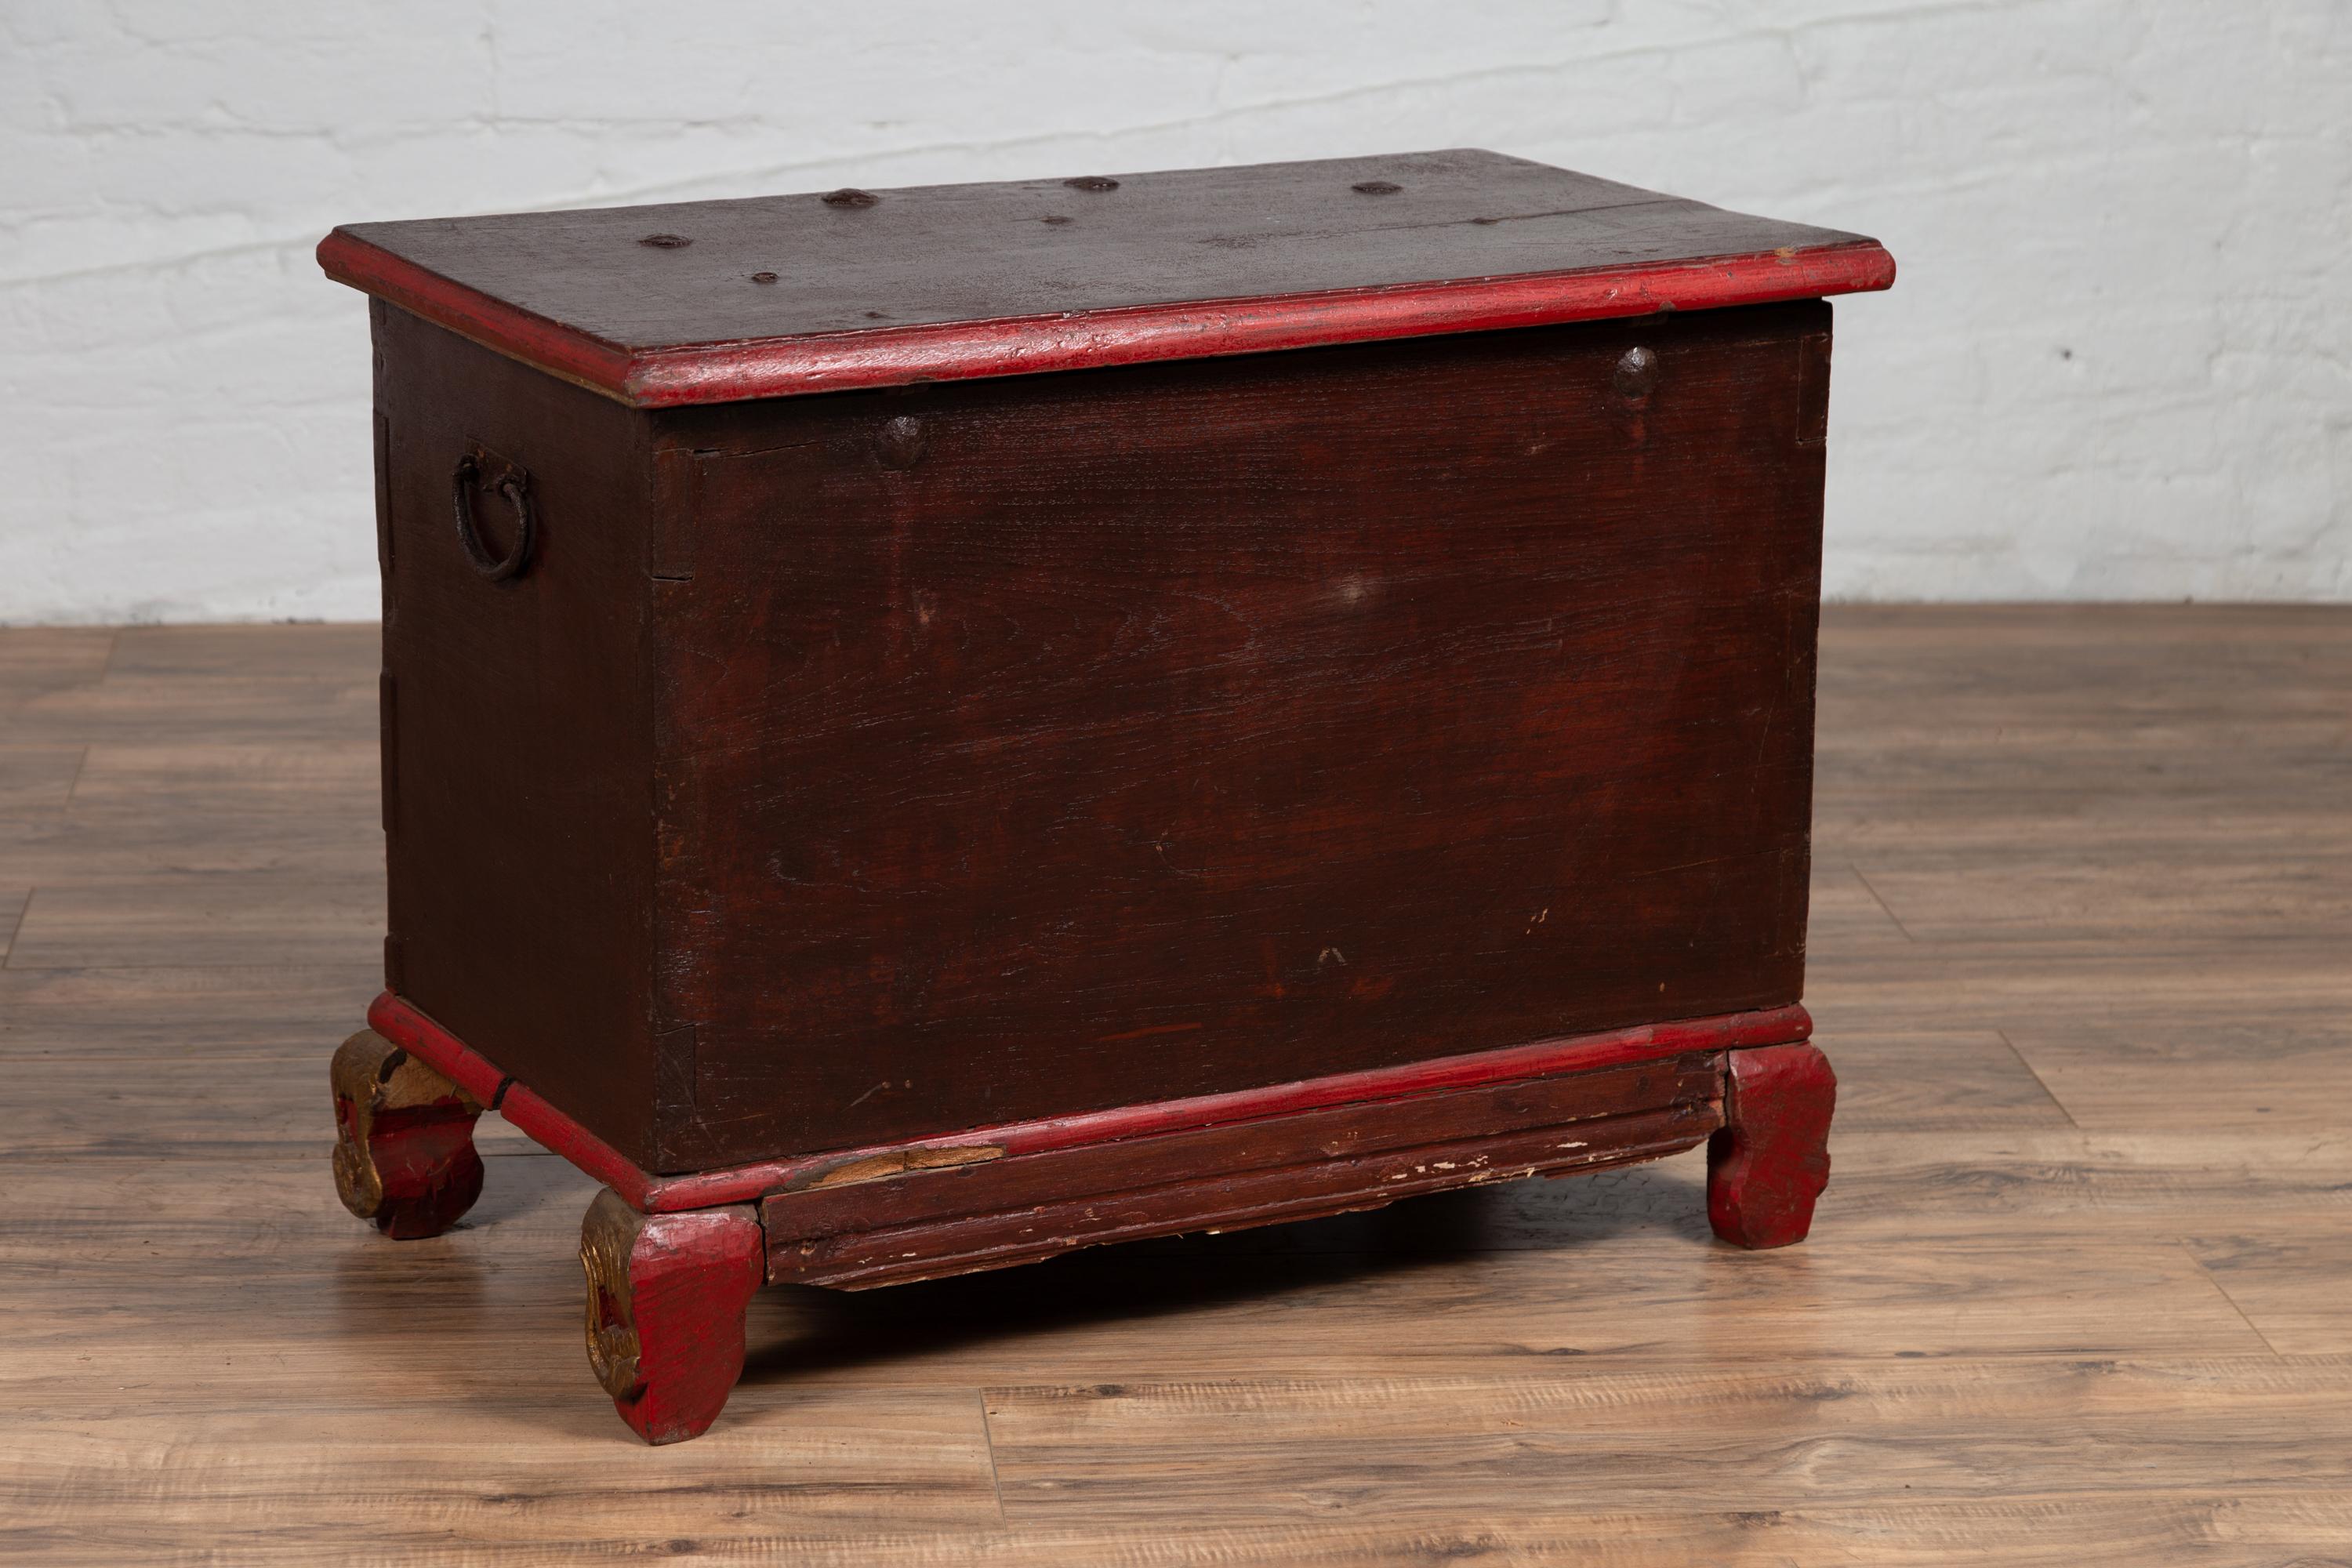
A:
411	1030
559	350
961	350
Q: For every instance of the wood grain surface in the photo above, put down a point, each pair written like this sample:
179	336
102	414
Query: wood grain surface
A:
988	752
1172	731
2081	1292
519	726
697	302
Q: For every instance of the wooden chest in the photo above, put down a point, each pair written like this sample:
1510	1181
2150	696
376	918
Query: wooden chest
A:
926	728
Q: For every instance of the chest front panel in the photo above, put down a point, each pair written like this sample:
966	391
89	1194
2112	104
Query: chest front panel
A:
1030	747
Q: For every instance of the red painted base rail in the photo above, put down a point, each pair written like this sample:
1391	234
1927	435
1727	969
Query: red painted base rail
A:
411	1030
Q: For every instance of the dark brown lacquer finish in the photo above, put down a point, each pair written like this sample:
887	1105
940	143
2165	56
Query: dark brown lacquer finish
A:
914	742
518	721
1046	745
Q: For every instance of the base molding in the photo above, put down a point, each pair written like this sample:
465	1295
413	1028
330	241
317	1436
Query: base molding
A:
668	1277
1002	1238
413	1030
1021	1207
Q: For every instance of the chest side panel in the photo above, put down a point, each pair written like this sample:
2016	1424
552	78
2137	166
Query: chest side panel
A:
517	732
1047	745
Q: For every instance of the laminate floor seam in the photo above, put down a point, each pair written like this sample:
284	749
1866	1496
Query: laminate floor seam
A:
16	927
1882	903
2024	1062
2234	1306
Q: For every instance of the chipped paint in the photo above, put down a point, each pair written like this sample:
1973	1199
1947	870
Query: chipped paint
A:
899	1162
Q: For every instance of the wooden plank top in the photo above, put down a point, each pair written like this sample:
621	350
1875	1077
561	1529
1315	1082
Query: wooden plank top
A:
719	301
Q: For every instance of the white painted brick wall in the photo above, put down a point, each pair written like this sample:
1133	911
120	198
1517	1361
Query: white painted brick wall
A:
2118	364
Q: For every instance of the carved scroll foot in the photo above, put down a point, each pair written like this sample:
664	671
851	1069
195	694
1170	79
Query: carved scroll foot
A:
667	1294
1772	1158
403	1139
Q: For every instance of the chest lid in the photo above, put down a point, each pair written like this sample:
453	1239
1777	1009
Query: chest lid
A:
719	301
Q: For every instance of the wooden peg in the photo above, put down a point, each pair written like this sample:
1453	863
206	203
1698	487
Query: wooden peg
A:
667	1294
1772	1158
403	1139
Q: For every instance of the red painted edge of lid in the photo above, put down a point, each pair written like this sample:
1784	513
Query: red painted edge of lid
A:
1025	345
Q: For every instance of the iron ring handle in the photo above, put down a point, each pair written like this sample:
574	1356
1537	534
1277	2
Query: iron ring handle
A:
515	486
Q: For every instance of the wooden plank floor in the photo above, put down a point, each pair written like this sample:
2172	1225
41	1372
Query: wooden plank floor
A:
2081	1290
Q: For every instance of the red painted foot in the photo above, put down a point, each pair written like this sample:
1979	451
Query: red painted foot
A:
403	1139
1771	1159
666	1300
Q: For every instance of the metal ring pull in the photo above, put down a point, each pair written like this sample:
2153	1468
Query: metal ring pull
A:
510	481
